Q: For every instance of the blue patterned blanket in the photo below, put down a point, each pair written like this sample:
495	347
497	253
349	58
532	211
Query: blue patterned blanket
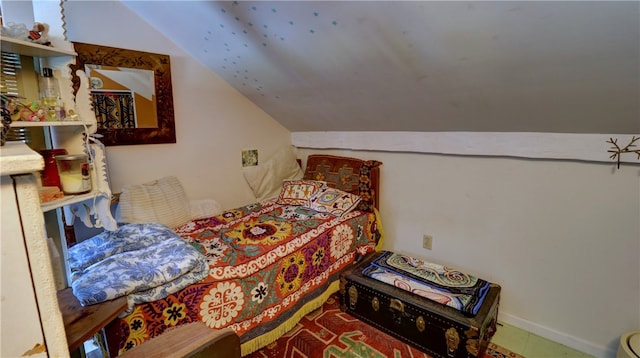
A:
145	262
438	283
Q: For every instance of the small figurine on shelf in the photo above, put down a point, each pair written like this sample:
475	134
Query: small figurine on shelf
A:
71	115
15	108
39	34
6	119
33	113
59	110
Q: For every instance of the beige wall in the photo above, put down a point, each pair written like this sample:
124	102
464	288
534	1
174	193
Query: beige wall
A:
213	121
561	237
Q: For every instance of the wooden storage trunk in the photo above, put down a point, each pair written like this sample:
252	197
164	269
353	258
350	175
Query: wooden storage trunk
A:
436	329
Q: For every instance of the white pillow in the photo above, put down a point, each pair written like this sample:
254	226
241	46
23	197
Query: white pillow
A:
162	201
266	179
204	208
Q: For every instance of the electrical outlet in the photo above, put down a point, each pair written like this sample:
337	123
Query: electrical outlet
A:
427	241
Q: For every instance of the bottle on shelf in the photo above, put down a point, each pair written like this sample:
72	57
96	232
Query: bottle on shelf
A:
49	93
60	111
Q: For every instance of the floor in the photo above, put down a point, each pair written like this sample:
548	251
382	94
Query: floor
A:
514	339
530	345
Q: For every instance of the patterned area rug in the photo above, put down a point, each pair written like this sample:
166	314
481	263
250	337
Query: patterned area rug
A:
331	333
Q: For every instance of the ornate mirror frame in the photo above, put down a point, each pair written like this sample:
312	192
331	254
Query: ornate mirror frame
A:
161	67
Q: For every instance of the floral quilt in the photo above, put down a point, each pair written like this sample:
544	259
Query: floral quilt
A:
266	261
144	262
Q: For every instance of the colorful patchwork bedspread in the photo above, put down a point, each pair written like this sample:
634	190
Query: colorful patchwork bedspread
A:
265	262
433	281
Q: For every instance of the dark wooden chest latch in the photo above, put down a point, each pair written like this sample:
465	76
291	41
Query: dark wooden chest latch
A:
453	340
353	297
398	310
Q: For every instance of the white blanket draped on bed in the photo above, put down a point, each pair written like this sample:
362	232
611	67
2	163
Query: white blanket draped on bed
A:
146	262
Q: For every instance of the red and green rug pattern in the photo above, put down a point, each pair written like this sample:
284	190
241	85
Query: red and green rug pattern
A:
331	333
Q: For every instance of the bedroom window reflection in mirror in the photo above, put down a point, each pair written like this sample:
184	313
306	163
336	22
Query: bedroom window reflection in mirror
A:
131	93
122	97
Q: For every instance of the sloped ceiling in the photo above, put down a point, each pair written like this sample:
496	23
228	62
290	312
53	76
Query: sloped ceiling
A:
504	66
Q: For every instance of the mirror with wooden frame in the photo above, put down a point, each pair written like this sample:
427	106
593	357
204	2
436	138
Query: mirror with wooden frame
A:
131	93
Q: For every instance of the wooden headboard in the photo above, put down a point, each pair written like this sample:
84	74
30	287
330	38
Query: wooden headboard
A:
353	175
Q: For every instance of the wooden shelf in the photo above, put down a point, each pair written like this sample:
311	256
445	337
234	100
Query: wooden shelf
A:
20	124
17	157
25	48
66	200
82	322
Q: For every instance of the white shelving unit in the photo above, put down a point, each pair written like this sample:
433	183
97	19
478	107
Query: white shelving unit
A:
29	286
70	134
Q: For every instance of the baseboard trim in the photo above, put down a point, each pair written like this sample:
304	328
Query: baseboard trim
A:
557	336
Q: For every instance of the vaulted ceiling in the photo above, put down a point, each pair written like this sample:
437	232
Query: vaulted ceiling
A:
504	66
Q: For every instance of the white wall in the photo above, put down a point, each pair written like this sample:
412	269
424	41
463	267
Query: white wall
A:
562	238
213	121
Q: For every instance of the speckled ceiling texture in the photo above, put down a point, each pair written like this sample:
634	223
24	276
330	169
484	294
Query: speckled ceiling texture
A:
420	66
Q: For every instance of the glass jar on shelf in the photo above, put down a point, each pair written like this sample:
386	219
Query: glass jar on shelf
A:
75	173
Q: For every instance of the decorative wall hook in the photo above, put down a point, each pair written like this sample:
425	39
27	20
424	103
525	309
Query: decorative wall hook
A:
616	151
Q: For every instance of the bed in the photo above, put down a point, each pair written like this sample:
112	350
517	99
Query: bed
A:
270	263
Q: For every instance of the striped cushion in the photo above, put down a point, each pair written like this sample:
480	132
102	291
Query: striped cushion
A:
162	201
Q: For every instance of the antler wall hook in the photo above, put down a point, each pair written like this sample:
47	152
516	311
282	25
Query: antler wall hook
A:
616	151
